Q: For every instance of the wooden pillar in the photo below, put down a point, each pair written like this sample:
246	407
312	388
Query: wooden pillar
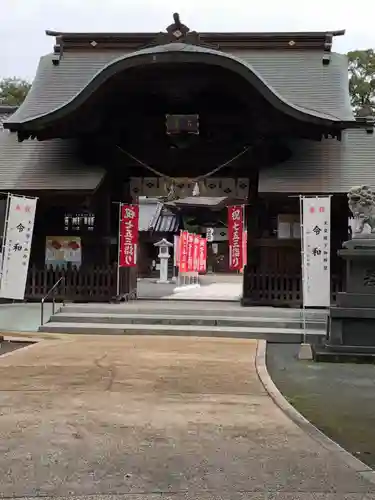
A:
107	202
252	223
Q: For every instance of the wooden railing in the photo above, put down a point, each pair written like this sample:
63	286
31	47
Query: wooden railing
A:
279	289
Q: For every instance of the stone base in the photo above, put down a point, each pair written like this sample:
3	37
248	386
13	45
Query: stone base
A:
353	327
305	352
359	301
343	354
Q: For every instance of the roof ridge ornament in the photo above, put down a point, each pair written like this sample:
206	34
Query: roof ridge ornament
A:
177	29
177	32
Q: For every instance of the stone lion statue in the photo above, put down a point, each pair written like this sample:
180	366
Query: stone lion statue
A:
361	201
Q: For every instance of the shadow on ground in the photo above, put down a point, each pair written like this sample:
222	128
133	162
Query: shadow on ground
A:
9	346
337	398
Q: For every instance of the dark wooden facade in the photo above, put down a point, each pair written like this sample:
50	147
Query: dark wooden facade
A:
272	277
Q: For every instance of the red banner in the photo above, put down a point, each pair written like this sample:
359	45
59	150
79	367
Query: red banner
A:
129	221
190	253
196	252
202	255
183	247
235	237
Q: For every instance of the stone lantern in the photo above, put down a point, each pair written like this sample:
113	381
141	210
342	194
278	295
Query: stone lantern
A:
164	256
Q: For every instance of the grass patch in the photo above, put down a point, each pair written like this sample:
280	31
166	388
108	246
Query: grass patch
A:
337	398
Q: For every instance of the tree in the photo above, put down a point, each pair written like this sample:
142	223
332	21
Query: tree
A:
13	91
362	79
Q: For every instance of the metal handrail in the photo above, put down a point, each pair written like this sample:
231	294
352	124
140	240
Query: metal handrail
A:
53	300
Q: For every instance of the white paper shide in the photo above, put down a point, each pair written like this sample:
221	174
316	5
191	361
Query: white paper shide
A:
316	272
17	246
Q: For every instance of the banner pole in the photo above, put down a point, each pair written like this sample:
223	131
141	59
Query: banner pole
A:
118	251
4	238
302	268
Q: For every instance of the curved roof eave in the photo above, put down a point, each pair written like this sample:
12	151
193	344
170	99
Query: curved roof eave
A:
175	52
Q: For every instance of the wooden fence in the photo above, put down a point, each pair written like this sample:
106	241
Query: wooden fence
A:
94	284
261	288
98	284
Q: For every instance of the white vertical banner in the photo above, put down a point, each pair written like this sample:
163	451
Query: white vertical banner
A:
19	227
316	251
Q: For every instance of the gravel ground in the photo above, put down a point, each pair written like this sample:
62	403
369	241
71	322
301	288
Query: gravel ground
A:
338	398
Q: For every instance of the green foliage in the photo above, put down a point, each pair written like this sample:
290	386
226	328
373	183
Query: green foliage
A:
13	91
362	79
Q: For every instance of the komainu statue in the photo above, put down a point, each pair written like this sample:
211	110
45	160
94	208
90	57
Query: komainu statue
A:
361	200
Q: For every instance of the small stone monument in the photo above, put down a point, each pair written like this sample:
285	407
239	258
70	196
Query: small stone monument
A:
164	256
351	325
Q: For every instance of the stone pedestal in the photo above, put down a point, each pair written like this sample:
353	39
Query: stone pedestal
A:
351	325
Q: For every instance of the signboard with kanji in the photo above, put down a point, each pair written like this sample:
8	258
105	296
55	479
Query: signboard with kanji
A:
235	237
183	250
196	252
190	253
316	273
202	255
17	245
128	235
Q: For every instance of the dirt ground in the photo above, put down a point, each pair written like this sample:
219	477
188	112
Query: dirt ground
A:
150	416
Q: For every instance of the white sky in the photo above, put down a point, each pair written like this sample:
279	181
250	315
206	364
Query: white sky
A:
23	22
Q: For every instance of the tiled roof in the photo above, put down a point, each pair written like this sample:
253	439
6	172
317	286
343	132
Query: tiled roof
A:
147	211
213	202
52	164
296	79
328	166
153	216
167	222
5	113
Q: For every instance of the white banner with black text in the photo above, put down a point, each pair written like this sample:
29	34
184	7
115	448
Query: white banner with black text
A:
316	251
18	234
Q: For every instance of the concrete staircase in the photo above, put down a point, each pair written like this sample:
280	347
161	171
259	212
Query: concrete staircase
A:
190	318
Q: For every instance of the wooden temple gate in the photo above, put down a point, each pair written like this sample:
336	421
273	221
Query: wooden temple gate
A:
127	120
273	277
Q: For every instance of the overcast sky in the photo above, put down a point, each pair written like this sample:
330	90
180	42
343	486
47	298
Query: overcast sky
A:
23	22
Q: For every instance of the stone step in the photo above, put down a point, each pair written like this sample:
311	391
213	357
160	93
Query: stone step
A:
185	319
279	335
166	308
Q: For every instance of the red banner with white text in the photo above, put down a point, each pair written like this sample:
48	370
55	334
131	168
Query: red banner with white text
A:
129	221
202	255
235	237
183	248
190	253
196	243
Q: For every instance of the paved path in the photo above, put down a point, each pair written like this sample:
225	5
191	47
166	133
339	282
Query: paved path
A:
150	418
20	317
213	287
214	291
